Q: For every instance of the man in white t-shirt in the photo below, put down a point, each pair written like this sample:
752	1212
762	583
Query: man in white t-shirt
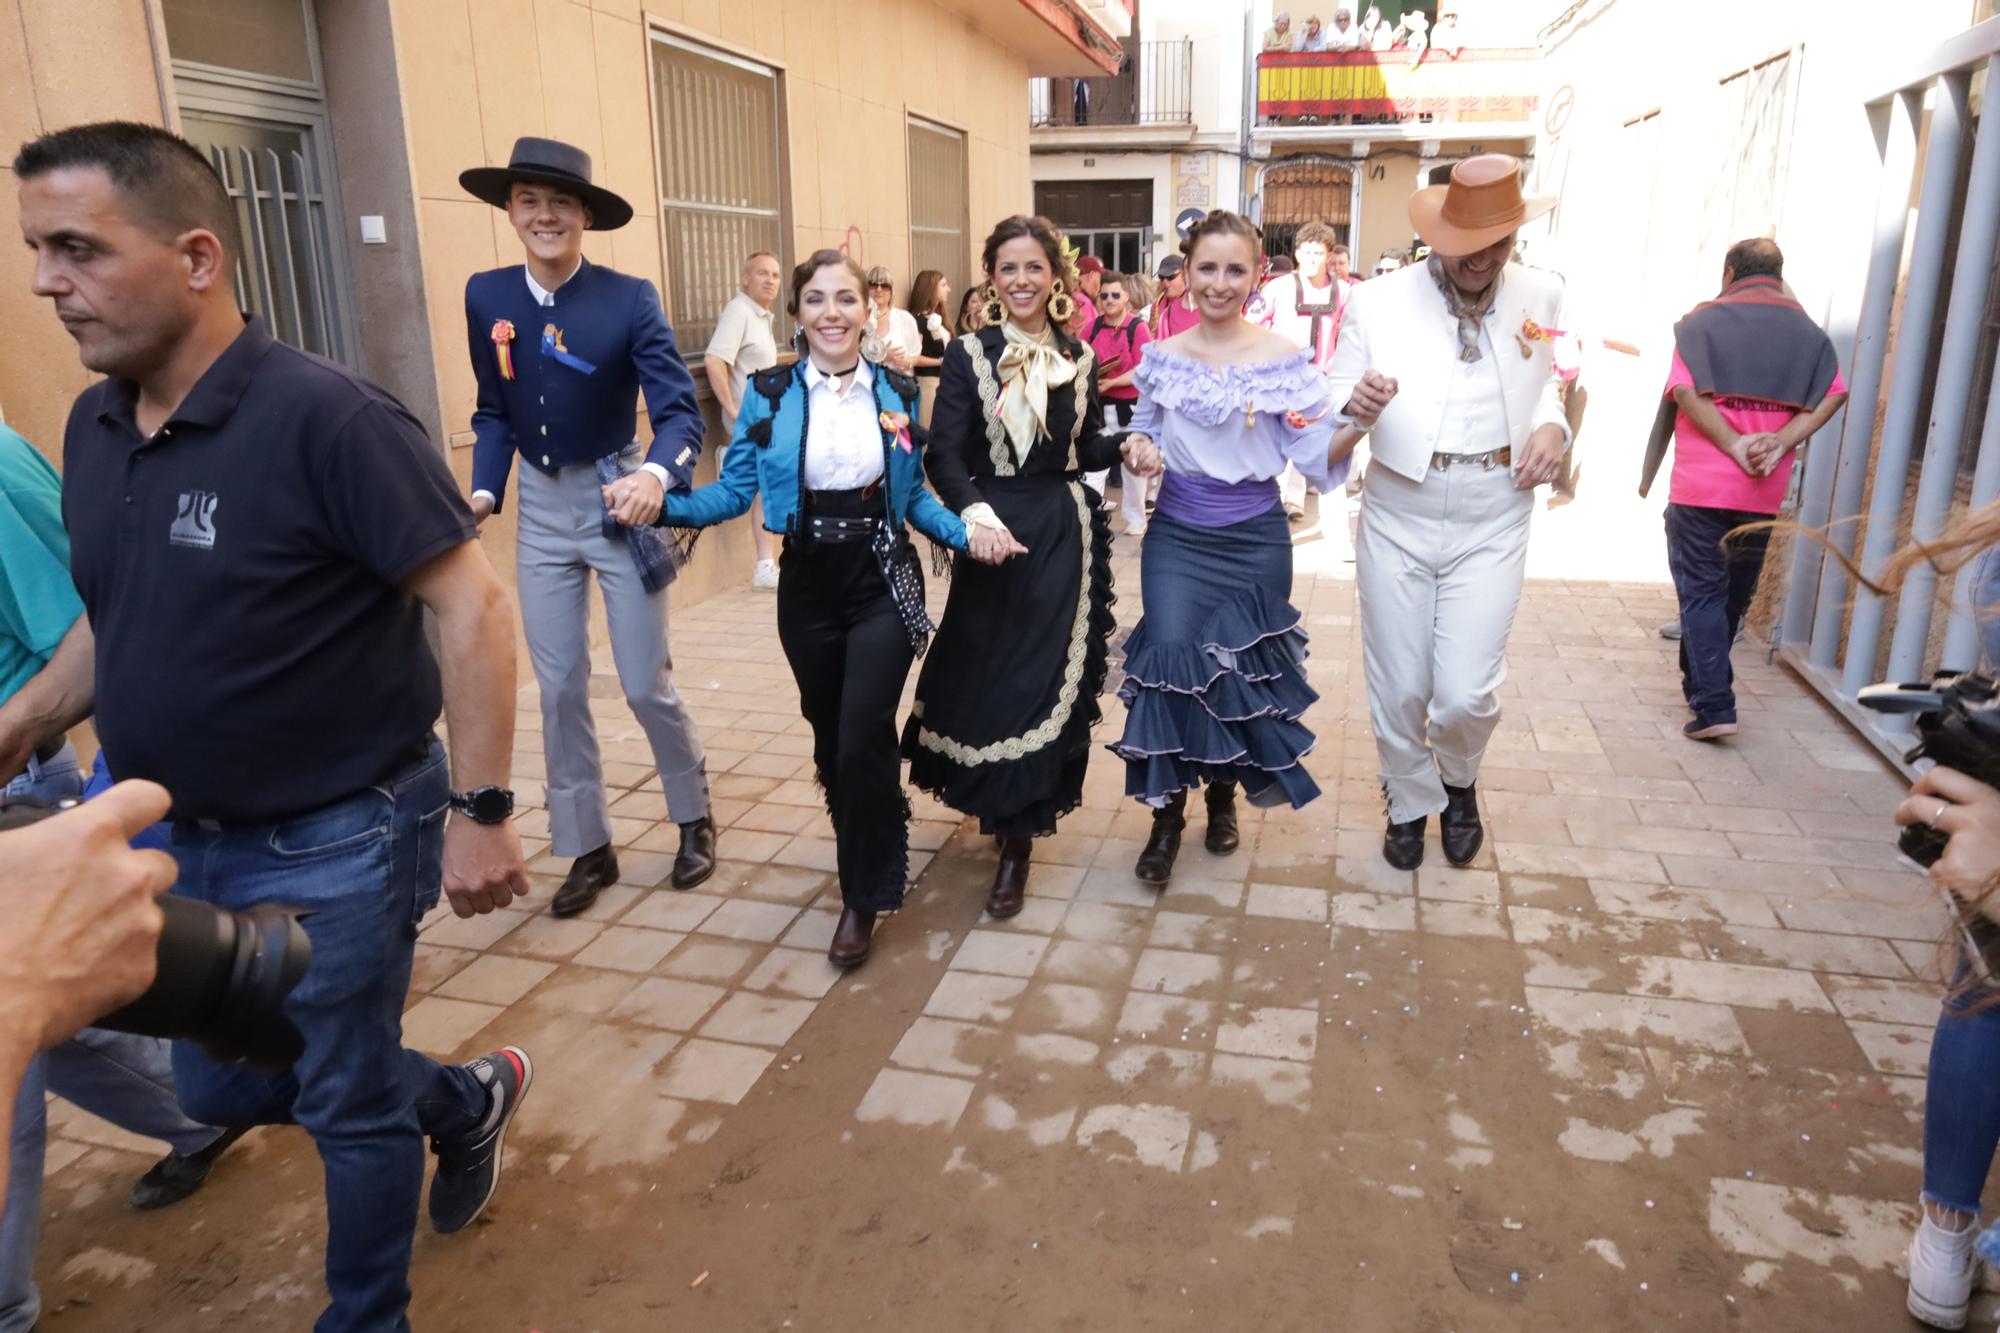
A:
1305	306
743	344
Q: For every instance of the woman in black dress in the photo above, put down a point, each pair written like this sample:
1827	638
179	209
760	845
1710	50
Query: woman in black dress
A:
1008	694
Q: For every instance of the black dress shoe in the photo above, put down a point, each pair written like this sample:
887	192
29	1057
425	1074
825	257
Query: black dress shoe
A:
1010	881
591	875
1220	837
852	938
696	861
180	1174
1156	858
1403	846
1459	825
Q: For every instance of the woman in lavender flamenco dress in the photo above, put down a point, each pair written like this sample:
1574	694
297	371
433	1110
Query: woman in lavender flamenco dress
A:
1214	682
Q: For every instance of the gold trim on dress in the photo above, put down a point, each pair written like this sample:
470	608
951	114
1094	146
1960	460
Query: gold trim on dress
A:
1085	376
989	399
1020	747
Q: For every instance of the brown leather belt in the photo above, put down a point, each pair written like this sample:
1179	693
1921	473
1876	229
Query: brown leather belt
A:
1489	460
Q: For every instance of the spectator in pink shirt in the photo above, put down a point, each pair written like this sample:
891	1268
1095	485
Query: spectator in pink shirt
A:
1118	338
1752	379
1173	309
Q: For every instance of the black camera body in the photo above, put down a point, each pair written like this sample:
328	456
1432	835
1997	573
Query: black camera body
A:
222	976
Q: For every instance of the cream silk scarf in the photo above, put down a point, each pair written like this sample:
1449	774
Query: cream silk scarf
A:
1029	367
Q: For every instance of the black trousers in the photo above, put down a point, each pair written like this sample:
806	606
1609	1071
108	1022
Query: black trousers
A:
850	655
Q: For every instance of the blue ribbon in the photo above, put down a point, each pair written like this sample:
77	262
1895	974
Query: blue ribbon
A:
551	349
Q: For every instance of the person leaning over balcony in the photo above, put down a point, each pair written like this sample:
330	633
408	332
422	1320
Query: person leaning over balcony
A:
1454	461
1313	38
742	345
561	350
1753	377
1008	694
256	534
1344	35
1279	36
830	444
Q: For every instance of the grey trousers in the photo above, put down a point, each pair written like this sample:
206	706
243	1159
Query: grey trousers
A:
561	543
1439	566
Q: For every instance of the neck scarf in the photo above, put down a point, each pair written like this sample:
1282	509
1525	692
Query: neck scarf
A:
1030	366
1469	312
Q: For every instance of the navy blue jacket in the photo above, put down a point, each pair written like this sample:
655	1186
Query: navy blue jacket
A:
558	414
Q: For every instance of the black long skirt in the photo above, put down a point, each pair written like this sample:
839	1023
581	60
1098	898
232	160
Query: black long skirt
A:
1008	693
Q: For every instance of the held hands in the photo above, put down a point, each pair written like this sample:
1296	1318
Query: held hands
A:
482	865
1968	812
1141	456
82	923
992	546
1371	396
636	501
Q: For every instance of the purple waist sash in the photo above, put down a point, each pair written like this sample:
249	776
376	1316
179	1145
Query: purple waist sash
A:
1208	503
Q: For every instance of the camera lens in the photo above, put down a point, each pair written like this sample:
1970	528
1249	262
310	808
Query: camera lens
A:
222	981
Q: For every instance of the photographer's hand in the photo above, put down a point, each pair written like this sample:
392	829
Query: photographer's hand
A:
1968	812
81	921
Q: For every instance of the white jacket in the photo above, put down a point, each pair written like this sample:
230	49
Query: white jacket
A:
1399	325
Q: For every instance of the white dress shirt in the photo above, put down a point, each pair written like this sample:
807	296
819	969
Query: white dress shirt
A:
1475	405
544	297
844	435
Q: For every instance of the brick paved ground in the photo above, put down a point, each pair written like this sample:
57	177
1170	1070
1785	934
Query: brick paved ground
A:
1655	1059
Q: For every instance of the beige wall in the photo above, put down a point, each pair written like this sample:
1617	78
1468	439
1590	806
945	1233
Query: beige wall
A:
1384	215
492	70
61	61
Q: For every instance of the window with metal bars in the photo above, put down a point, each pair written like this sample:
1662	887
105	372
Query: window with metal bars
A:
718	133
938	203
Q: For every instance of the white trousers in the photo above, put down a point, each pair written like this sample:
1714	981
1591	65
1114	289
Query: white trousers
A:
1439	565
562	544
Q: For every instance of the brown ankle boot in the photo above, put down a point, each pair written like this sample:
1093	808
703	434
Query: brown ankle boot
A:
1010	880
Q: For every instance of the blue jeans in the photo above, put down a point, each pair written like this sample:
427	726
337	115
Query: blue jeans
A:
1962	1104
125	1079
1715	588
367	868
58	778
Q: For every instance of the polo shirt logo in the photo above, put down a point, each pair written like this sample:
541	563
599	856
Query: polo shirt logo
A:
195	524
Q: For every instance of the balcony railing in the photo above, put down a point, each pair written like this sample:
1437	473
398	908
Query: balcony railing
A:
1469	85
1154	86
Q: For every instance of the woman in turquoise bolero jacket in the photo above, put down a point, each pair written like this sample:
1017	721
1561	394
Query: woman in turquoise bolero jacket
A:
832	446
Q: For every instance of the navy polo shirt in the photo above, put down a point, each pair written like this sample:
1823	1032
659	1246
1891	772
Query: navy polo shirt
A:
242	571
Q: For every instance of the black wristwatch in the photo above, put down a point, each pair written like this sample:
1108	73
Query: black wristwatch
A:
484	805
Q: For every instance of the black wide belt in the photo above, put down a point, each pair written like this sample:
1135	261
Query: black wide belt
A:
834	531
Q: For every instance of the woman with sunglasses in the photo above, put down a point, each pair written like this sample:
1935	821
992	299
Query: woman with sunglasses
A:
891	337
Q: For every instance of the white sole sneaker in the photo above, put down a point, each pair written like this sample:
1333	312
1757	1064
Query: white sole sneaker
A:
1941	1276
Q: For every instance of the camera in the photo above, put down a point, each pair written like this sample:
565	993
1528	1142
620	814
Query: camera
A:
222	976
1958	726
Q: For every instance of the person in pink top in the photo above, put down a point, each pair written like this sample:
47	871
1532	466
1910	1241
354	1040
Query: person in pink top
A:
1753	378
1118	337
1173	309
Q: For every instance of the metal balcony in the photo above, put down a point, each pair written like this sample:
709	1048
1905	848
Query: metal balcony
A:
1154	86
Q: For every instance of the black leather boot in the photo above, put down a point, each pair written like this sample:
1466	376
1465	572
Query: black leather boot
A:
696	861
1010	881
590	876
1403	845
1156	858
1459	825
1220	837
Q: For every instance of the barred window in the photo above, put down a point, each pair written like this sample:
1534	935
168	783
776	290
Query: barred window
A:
722	197
938	207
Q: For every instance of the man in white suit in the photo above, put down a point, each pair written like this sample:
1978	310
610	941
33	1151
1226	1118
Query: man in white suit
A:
1447	363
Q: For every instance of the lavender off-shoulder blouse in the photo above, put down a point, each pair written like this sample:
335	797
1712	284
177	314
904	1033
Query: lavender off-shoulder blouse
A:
1229	424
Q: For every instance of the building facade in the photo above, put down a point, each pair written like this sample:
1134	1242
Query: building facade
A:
894	129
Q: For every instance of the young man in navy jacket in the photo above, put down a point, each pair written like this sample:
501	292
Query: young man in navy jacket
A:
561	349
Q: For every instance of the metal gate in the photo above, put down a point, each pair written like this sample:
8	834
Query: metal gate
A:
285	272
1307	188
1871	495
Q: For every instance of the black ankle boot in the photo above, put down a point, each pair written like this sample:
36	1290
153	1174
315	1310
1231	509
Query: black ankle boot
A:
1156	858
1403	845
1220	837
1010	879
1459	825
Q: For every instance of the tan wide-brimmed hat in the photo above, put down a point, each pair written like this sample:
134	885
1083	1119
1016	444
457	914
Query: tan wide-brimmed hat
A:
1482	204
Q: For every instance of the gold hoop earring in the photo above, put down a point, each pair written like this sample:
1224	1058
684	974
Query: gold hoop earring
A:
1061	308
994	311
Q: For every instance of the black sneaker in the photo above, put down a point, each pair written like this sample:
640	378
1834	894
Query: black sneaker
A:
180	1174
468	1171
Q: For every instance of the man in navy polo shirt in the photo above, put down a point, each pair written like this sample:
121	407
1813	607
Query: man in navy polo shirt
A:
255	534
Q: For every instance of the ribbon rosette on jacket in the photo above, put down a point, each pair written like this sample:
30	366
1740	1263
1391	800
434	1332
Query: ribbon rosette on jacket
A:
1565	348
897	426
503	338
